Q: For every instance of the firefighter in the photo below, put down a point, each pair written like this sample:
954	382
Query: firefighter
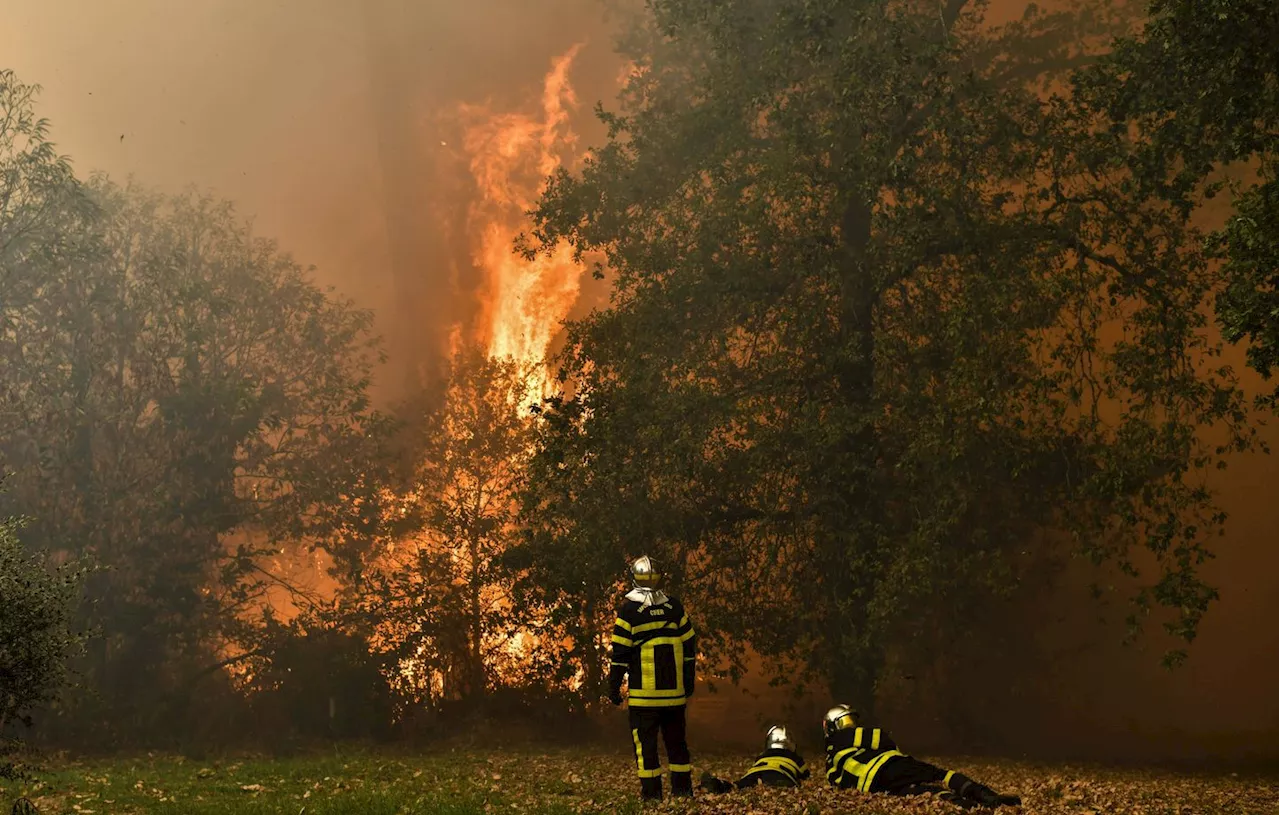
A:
655	649
778	766
866	759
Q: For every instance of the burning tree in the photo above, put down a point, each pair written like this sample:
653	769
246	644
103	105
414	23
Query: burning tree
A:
433	596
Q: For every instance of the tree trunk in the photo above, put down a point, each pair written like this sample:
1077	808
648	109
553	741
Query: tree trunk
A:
853	530
477	683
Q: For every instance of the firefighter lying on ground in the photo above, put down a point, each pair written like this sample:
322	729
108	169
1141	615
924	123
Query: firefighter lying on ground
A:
655	649
866	759
778	766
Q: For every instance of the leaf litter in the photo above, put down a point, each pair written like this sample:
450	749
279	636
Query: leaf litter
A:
591	781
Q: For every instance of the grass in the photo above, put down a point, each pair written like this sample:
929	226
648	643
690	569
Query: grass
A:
571	782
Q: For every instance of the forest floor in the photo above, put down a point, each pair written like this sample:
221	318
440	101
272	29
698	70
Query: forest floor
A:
575	782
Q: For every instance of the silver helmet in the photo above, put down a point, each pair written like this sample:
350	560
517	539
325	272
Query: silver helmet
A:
777	738
645	573
840	717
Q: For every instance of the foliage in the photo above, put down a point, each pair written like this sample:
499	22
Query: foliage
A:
538	779
170	384
890	323
38	634
1198	87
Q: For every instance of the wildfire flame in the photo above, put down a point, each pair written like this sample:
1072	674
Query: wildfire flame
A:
511	155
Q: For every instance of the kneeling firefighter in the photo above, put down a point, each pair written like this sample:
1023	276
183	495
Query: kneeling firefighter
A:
778	766
867	759
655	649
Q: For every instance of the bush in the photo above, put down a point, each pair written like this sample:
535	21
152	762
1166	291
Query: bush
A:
37	633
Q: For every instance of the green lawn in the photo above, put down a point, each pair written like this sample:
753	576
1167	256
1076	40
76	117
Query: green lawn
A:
469	782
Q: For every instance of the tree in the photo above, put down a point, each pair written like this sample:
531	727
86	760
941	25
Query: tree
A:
1198	87
38	634
430	591
863	362
170	385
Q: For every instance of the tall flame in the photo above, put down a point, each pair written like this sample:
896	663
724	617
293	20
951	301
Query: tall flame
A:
511	155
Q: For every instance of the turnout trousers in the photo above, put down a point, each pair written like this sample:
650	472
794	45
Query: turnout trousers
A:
908	776
646	722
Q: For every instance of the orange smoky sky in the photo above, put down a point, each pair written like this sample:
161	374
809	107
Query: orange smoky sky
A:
350	131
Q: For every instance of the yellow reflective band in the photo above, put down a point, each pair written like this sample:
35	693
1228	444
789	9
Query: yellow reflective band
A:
781	764
640	629
837	763
635	736
869	774
680	768
946	779
684	620
623	624
623	641
857	737
688	636
690	659
617	665
875	739
655	693
643	702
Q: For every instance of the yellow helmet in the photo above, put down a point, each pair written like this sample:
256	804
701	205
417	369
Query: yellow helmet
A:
644	572
840	717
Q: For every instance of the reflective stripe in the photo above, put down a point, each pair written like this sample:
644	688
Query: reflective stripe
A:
780	764
635	736
837	763
946	779
875	739
680	768
643	702
869	775
648	669
640	629
688	636
655	693
623	624
844	762
623	641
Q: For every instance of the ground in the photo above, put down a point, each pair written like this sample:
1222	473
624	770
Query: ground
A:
573	782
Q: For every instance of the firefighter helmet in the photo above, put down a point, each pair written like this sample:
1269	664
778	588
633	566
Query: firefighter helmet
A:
644	573
840	717
777	738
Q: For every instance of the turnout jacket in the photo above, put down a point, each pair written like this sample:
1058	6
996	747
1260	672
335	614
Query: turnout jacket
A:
776	764
855	756
655	647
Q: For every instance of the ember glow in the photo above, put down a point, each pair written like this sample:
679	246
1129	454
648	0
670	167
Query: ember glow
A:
510	156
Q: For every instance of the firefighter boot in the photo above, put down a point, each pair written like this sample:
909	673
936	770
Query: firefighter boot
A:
984	795
712	784
651	789
682	784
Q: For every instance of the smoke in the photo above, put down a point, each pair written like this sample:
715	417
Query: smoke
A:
339	127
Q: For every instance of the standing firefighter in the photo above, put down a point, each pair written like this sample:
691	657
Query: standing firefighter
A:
865	758
778	766
655	647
